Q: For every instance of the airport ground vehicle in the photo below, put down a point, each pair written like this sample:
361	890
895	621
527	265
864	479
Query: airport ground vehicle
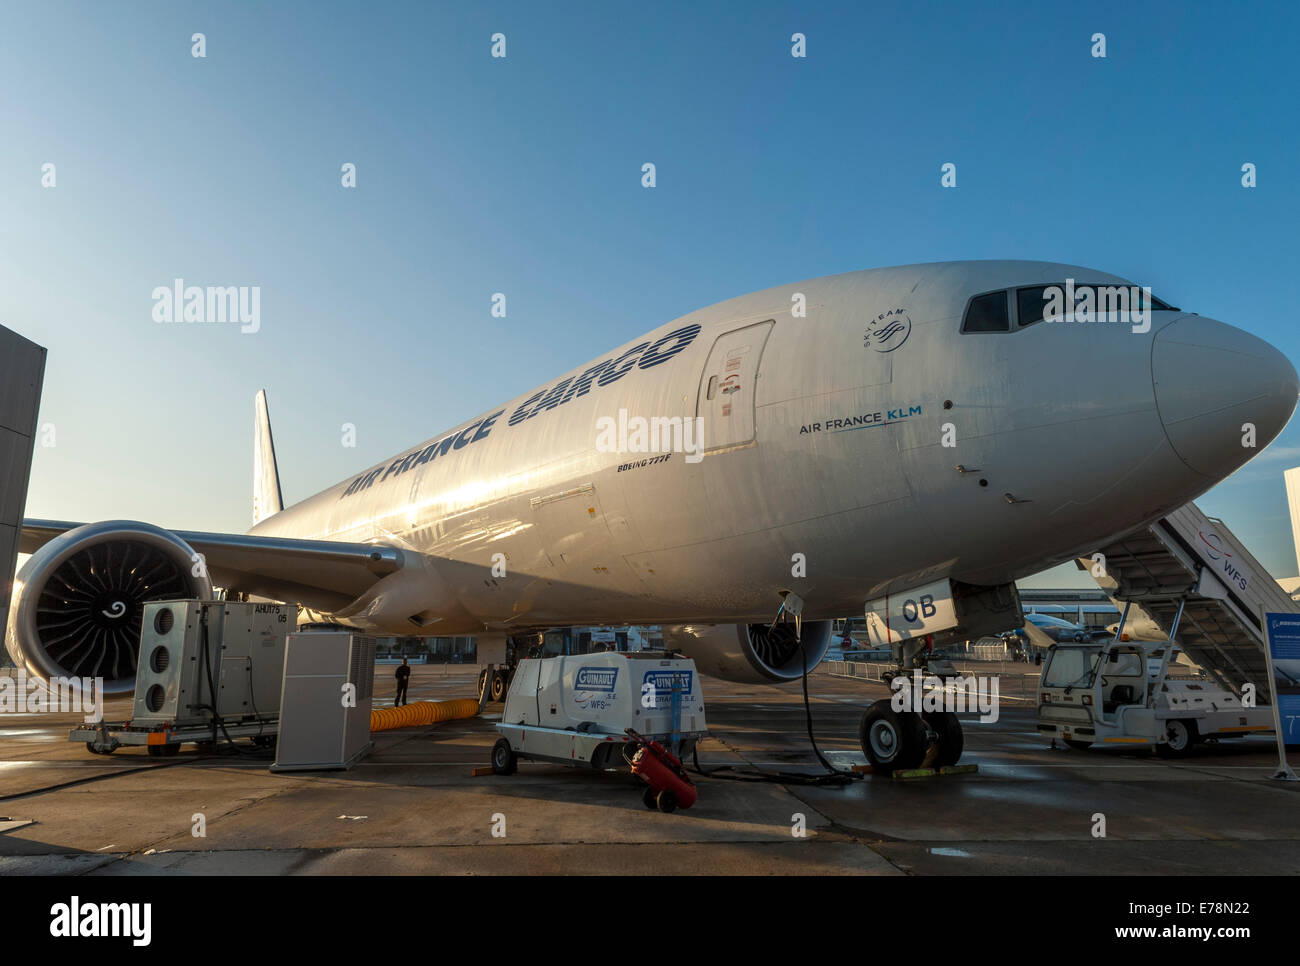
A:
576	709
1113	693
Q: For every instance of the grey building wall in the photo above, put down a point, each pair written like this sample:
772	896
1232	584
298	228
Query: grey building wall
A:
22	370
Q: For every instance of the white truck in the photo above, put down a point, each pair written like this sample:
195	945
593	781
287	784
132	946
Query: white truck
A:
575	710
1119	693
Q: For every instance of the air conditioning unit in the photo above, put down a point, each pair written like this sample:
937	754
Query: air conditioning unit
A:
325	701
196	655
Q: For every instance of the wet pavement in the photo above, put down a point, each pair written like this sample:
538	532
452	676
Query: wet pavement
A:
413	807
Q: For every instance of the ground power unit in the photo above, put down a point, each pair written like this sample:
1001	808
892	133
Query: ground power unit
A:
325	702
577	710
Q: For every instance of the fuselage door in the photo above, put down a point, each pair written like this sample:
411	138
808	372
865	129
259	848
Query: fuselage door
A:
726	395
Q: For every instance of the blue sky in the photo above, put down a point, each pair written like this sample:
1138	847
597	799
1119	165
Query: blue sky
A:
478	175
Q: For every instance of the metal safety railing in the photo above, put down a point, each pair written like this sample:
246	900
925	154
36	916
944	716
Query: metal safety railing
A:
1012	685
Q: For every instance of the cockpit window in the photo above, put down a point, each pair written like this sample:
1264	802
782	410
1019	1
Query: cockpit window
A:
1160	306
1033	302
987	313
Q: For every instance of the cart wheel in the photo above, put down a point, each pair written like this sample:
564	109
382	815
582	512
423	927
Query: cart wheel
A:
498	686
667	800
649	798
163	751
504	761
94	749
1181	736
1078	745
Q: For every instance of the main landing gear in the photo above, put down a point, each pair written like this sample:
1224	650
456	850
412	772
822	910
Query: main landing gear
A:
496	681
900	740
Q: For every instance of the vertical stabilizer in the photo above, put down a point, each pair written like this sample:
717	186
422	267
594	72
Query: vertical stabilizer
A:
267	500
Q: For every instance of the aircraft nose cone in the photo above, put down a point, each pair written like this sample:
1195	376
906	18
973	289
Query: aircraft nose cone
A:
1211	379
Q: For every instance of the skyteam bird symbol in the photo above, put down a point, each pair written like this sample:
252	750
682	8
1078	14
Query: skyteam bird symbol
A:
889	330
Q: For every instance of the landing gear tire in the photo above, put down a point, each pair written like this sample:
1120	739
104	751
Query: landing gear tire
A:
947	727
892	740
498	686
504	761
1180	735
1078	745
649	798
667	801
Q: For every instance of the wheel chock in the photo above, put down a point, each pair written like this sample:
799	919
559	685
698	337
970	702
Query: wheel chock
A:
936	772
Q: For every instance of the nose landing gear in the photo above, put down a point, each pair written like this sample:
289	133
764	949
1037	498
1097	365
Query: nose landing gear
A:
903	740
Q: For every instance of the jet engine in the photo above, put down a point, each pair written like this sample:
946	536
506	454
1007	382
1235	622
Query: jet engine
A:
751	653
79	600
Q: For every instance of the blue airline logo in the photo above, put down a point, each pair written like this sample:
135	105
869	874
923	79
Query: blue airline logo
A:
645	355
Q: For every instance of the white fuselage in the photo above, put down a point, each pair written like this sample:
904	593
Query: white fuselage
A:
830	444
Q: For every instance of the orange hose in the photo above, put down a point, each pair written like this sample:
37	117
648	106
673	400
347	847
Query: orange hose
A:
422	713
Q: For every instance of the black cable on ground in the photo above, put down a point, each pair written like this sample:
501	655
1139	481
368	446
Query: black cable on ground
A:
832	777
93	778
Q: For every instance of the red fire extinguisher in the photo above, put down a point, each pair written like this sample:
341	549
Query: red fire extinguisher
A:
668	787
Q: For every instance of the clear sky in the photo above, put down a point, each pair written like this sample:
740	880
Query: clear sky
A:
522	175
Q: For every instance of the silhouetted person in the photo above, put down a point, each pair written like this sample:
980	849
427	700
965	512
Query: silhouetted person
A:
403	679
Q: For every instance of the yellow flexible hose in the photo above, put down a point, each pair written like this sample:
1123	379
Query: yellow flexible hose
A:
422	713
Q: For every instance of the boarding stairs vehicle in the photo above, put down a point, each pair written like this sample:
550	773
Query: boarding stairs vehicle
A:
1201	586
1120	693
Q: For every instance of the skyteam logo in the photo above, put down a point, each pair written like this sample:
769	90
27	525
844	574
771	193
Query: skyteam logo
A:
888	331
596	679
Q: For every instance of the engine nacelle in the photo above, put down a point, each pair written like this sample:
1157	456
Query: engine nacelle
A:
79	600
751	653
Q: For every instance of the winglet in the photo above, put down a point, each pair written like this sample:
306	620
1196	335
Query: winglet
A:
267	500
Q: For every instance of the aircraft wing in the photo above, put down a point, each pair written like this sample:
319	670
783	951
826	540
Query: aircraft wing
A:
321	574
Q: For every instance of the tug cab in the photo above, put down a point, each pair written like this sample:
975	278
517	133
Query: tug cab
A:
1111	693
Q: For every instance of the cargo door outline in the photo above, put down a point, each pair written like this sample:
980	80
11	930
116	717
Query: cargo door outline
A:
726	399
572	527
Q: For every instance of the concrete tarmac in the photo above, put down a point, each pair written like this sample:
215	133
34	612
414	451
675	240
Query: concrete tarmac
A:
412	806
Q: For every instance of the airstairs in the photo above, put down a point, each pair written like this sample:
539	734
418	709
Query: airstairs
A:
1197	581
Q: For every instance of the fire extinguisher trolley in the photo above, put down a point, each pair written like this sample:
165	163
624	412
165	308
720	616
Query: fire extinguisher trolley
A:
667	785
